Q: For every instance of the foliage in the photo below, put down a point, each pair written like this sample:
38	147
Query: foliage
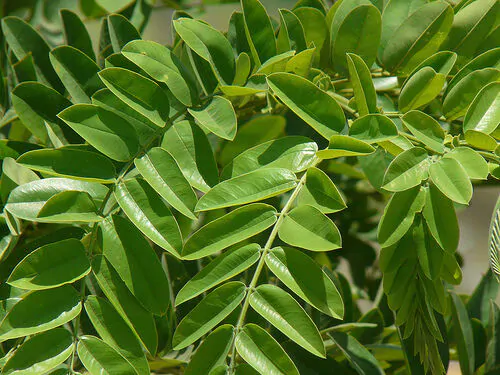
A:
187	208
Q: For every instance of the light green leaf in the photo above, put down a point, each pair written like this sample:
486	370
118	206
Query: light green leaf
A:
136	263
294	153
291	36
161	171
480	140
362	84
451	178
139	93
421	88
373	128
306	279
104	130
247	188
243	70
425	129
399	215
73	163
231	228
276	63
75	33
319	191
116	333
69	206
308	228
473	163
210	45
483	114
208	313
77	71
218	116
149	214
40	353
222	268
137	317
282	311
407	170
316	31
342	145
121	31
40	311
51	265
189	146
261	351
14	175
463	334
212	352
100	358
309	102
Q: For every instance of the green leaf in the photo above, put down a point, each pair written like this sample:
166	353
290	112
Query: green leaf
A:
77	71
116	333
282	311
149	214
27	201
40	311
316	32
259	31
210	45
222	268
208	313
73	163
341	145
319	191
493	347
261	351
306	279
275	64
358	356
121	31
308	228
100	358
14	175
420	89
429	253
51	265
440	216
139	93
189	146
473	163
247	188
231	228
478	305
309	102
451	178
40	353
75	33
478	139
163	66
463	334
137	317
136	263
407	170
294	153
161	171
399	215
418	37
362	84
425	129
212	352
373	128
23	40
483	114
348	37
69	206
291	36
104	130
218	116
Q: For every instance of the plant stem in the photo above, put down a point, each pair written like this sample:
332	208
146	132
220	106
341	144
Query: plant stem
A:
344	103
260	267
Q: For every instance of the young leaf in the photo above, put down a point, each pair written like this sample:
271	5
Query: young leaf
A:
247	188
75	33
51	265
40	353
218	117
452	179
308	228
362	84
310	103
231	228
407	170
149	214
373	128
320	192
306	279
425	129
341	145
40	311
261	351
222	268
208	313
480	140
282	311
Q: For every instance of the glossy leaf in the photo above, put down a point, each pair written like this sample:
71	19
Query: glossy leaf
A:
341	145
373	128
320	192
68	206
218	117
121	31
425	129
407	170
420	89
480	140
473	163
452	179
75	33
483	114
362	84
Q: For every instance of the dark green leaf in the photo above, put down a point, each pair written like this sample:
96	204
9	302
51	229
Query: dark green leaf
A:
75	33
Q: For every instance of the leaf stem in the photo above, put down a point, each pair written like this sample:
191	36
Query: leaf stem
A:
344	103
260	267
